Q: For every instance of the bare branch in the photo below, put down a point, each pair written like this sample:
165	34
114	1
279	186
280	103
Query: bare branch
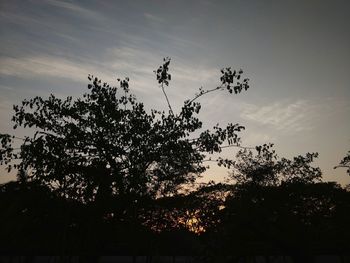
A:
166	97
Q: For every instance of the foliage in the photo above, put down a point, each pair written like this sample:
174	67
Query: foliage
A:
266	168
105	145
345	163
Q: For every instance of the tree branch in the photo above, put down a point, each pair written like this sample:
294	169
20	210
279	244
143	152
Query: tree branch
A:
166	97
205	92
238	146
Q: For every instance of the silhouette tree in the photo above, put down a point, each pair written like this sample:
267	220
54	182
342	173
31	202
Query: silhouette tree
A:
101	174
265	168
345	163
106	149
278	206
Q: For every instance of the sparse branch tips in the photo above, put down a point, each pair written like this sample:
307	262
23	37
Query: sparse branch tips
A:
163	77
345	163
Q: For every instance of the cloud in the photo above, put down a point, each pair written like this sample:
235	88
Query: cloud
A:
132	59
138	64
46	19
153	18
76	9
42	65
285	116
252	138
18	18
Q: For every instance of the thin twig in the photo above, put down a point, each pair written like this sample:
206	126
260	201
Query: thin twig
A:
342	166
205	92
166	97
238	146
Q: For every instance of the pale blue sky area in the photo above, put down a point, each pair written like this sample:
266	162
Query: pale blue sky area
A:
296	54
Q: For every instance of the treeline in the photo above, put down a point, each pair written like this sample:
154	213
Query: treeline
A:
295	219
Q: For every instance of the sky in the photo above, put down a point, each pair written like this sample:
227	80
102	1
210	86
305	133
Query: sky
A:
295	53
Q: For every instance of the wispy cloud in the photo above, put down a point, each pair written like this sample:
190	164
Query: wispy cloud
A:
17	18
77	9
138	64
43	19
285	116
52	66
131	59
251	138
153	18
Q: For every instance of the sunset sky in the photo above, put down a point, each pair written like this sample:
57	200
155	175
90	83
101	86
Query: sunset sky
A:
295	53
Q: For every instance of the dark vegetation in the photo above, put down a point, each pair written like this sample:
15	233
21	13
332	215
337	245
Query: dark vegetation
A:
101	175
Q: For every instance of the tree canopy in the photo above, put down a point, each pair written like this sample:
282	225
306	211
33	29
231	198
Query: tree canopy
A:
265	168
105	144
117	176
